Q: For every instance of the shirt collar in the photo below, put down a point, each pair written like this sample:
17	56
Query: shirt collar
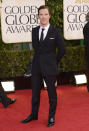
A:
46	27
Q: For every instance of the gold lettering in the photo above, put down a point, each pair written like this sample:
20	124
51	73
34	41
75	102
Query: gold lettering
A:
77	1
81	1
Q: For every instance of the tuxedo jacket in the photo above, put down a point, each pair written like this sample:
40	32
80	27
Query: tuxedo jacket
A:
48	52
86	39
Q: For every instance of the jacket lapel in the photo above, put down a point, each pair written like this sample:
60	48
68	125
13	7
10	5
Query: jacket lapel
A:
48	33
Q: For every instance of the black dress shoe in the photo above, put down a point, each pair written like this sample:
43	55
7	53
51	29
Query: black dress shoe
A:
11	102
51	122
29	118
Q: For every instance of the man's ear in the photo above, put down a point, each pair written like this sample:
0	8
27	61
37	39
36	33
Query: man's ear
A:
50	16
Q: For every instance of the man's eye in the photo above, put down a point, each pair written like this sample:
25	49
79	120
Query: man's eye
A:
43	14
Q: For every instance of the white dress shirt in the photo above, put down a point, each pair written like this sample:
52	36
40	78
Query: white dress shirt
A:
44	32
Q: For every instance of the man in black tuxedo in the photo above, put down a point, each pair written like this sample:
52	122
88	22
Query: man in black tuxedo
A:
4	99
45	40
86	43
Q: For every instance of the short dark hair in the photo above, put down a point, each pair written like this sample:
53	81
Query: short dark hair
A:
44	7
87	16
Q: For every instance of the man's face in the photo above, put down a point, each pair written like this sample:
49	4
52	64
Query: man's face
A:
44	17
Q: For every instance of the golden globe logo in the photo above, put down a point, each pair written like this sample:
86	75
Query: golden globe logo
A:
18	18
21	19
75	18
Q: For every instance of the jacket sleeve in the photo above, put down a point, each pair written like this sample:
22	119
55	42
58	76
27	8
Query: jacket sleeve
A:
60	45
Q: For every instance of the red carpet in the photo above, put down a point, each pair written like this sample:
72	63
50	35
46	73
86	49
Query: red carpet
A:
72	111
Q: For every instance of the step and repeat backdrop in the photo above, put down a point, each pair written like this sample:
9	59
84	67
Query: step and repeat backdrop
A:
18	17
74	18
